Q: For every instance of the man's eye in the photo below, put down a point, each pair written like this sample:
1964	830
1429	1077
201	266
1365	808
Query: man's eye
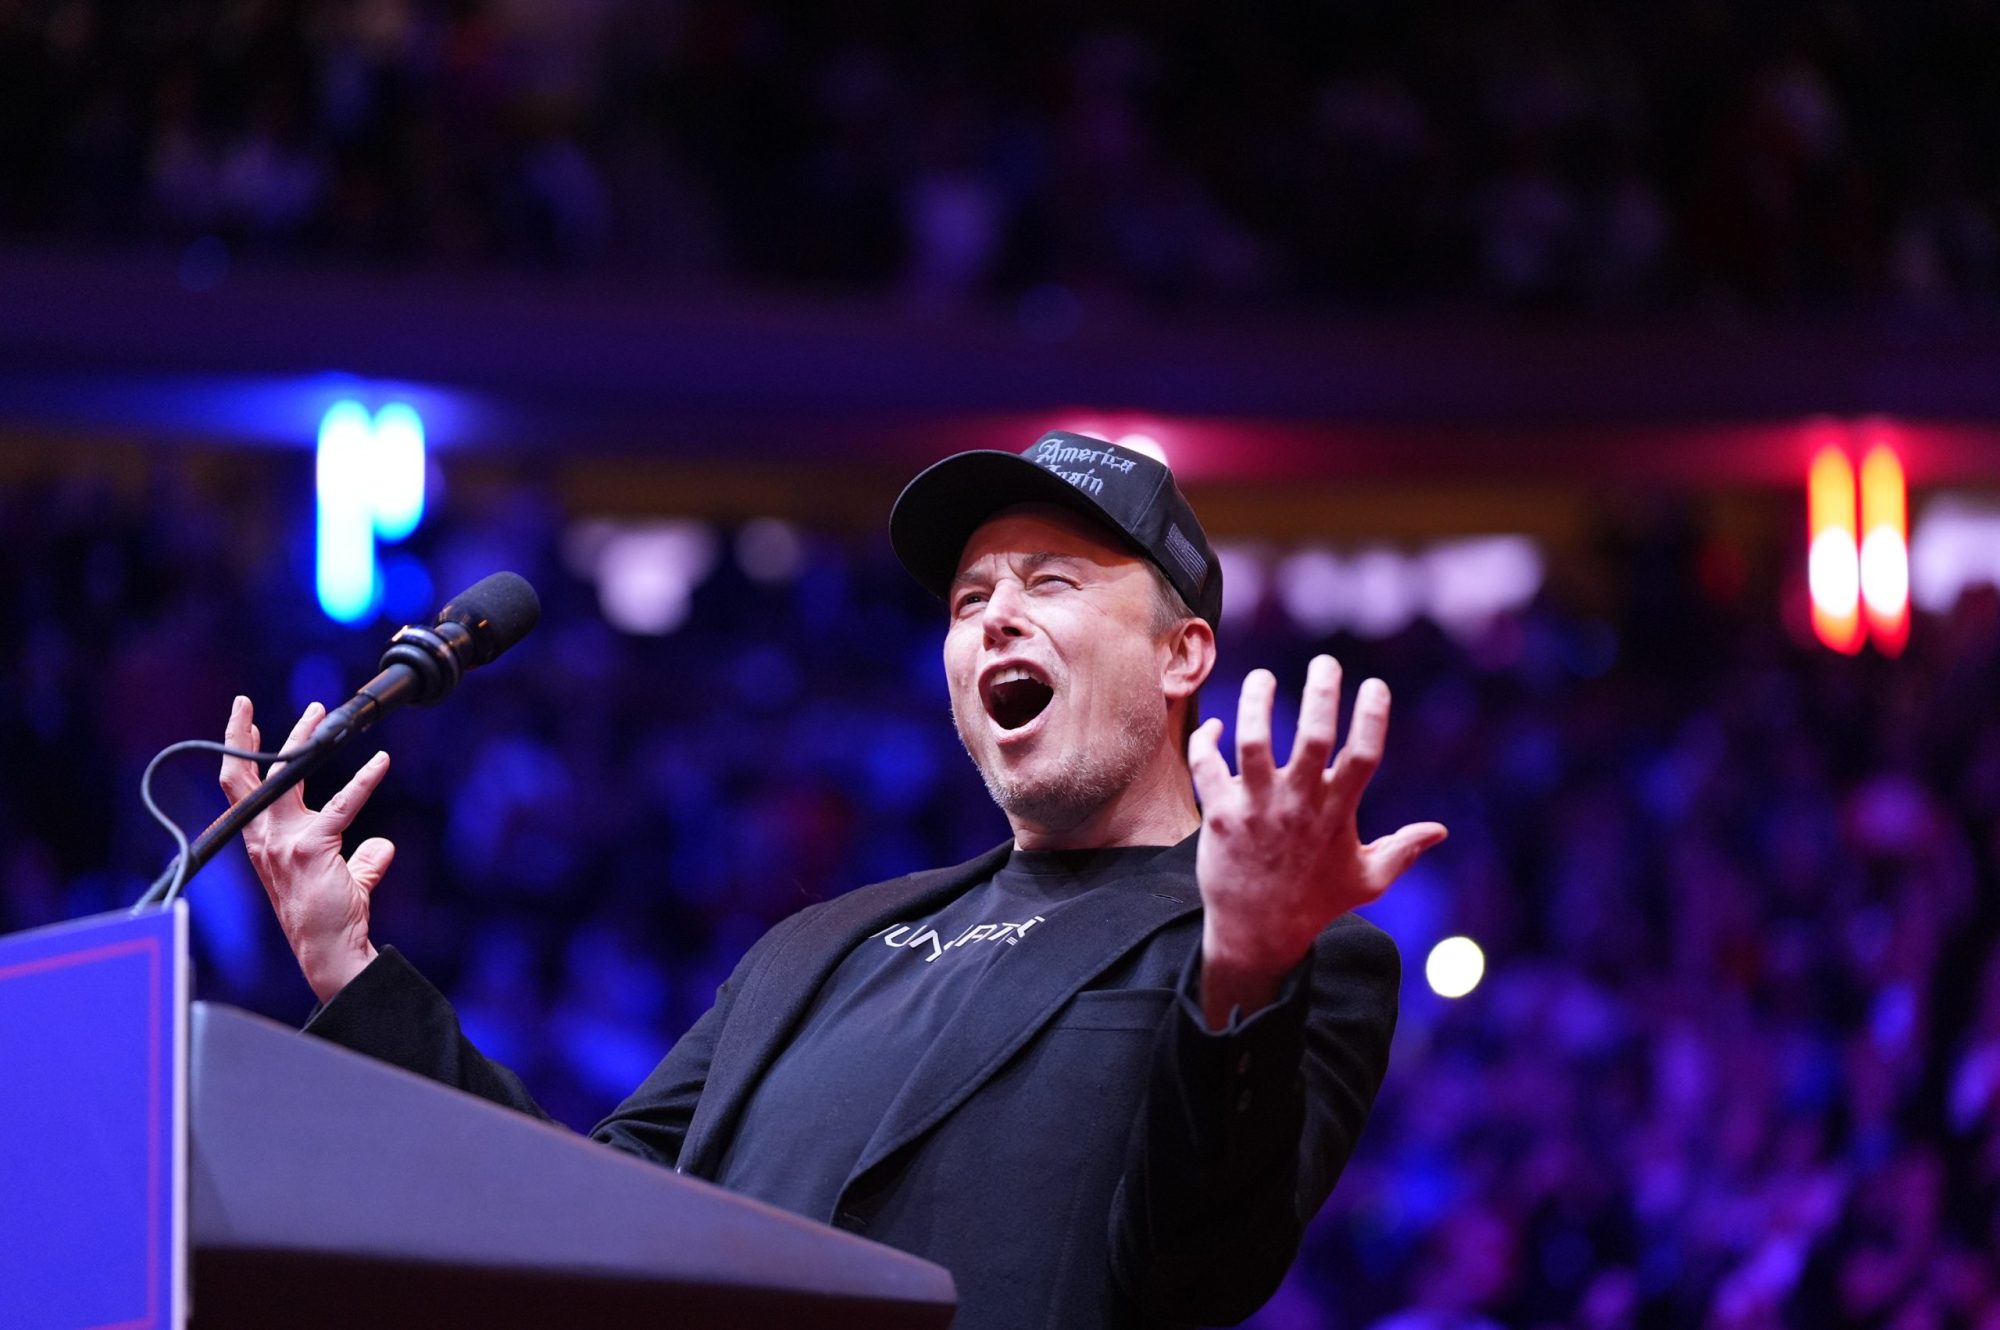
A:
966	602
1046	581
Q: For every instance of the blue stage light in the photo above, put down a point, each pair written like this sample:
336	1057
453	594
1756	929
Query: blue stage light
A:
370	486
345	566
398	472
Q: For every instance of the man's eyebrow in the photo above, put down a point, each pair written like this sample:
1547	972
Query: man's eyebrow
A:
1030	563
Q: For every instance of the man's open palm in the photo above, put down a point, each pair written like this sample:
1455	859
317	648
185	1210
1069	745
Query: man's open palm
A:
320	898
1280	856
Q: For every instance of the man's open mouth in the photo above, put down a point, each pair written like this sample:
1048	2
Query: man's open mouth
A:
1015	696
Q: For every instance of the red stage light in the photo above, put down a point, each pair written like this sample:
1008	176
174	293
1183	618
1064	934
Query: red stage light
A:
1885	549
1833	560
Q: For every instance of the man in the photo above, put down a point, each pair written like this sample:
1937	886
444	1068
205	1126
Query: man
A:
1104	1073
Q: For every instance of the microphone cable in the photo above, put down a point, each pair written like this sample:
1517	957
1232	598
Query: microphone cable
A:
176	872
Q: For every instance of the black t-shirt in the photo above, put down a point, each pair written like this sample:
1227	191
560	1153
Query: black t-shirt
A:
812	1115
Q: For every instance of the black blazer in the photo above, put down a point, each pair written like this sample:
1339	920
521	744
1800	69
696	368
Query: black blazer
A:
1078	1151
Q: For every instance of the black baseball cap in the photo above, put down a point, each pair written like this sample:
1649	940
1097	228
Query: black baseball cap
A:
1129	492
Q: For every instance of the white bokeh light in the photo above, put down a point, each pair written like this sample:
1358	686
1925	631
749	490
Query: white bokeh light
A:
1455	967
1144	443
1242	580
1833	572
1314	587
1956	544
1885	571
645	572
1390	591
1475	579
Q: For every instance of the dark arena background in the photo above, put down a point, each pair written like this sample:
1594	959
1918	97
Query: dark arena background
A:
1620	381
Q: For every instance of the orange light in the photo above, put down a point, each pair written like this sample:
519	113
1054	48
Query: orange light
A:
1885	549
1833	560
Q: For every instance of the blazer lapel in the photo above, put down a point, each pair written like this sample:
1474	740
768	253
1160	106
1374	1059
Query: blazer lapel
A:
778	991
992	1027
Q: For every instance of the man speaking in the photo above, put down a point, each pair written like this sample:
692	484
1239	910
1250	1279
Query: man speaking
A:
1104	1073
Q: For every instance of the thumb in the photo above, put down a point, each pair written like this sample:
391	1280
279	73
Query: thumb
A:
370	860
1205	764
1391	856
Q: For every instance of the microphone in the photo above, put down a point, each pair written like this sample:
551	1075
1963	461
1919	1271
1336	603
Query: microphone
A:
422	665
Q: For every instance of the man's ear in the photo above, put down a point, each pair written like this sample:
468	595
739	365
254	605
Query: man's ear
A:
1190	658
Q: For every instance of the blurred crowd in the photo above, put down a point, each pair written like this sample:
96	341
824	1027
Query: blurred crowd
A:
1573	154
1735	1062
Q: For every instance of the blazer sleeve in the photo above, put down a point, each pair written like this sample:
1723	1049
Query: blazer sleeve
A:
391	1012
1244	1131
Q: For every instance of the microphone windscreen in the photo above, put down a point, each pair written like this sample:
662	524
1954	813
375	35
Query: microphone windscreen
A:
498	610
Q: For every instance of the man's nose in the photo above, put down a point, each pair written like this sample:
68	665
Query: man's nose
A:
1005	615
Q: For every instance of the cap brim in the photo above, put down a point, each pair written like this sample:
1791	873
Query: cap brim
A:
937	512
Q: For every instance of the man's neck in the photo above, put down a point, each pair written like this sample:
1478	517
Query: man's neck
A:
1156	809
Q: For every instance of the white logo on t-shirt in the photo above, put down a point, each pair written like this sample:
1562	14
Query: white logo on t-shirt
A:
900	935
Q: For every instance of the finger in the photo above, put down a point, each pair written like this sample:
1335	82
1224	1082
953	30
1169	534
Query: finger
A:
340	811
1319	720
1253	729
371	859
1389	857
1205	764
239	775
1362	752
292	803
308	720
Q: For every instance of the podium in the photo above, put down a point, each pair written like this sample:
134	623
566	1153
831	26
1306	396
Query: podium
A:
325	1189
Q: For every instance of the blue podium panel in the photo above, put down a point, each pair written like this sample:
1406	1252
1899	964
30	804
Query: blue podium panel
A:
93	1111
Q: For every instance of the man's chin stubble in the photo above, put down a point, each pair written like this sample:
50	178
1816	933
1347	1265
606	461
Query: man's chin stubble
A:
1081	783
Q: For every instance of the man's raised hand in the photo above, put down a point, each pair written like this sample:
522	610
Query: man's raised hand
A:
1280	856
321	899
